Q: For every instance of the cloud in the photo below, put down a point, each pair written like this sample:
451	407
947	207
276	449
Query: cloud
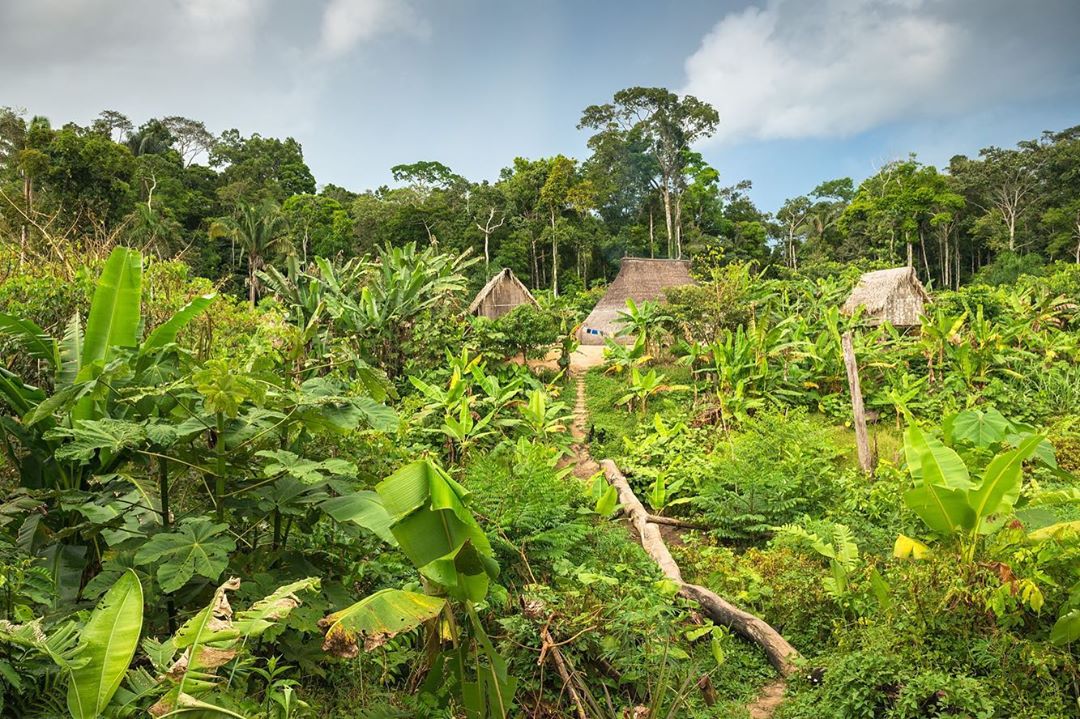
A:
347	23
833	68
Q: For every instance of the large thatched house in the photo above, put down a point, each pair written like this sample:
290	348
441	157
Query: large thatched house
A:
639	279
502	293
895	296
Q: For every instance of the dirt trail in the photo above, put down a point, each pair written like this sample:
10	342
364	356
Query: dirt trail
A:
584	465
772	694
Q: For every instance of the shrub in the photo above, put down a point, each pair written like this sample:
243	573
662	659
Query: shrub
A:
780	467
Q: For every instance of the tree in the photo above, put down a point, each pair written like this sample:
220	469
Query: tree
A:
1009	180
152	138
1064	223
794	220
260	168
664	123
317	223
258	231
110	121
489	214
555	196
428	186
522	184
190	137
89	178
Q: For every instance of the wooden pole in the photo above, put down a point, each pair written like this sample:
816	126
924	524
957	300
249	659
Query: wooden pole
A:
862	439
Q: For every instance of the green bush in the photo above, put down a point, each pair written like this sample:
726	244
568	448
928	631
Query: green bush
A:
781	466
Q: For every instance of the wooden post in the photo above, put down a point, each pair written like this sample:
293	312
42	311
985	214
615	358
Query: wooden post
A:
862	440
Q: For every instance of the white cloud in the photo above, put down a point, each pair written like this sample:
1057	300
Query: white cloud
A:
836	67
346	23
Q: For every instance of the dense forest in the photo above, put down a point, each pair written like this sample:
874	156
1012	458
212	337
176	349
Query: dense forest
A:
263	457
229	204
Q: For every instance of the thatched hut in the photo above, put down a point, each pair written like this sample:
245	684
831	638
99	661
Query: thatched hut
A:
894	295
502	293
639	279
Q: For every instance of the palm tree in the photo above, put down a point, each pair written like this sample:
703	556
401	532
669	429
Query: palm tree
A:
257	230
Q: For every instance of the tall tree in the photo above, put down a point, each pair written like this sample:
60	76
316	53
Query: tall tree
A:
189	137
555	196
664	123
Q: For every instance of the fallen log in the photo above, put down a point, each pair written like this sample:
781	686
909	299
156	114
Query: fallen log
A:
675	522
779	652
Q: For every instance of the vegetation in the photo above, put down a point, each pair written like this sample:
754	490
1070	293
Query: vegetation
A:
259	461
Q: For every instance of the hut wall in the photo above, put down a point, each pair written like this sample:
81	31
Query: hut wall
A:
503	297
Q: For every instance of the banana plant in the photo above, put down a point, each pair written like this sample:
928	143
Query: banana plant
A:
88	366
97	658
435	529
940	331
949	501
643	387
618	357
545	421
645	321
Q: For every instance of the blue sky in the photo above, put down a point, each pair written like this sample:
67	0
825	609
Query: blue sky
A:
807	90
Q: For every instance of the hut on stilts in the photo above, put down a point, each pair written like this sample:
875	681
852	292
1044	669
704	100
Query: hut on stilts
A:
639	279
895	296
502	293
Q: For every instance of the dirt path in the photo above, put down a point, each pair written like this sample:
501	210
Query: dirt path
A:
771	695
584	465
769	698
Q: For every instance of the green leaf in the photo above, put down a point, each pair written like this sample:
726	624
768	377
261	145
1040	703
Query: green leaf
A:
944	509
166	332
70	352
305	470
948	467
108	640
376	619
433	526
88	436
115	310
606	503
979	428
1000	486
197	547
1066	628
31	337
1066	495
363	508
1060	531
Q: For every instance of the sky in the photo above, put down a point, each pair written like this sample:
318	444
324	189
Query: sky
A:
807	90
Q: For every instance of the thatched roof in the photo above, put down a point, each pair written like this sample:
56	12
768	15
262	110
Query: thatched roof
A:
502	293
893	295
639	279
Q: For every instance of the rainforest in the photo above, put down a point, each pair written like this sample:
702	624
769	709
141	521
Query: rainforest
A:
598	437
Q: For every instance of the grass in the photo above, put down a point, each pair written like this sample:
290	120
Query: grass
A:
608	424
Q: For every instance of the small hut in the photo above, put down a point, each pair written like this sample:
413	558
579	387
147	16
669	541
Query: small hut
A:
895	296
639	279
502	293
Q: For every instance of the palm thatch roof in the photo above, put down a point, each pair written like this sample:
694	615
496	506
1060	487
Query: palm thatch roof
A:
639	279
502	293
895	296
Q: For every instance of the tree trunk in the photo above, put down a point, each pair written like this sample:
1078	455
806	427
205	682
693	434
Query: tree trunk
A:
678	227
779	652
666	194
862	440
652	237
554	258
